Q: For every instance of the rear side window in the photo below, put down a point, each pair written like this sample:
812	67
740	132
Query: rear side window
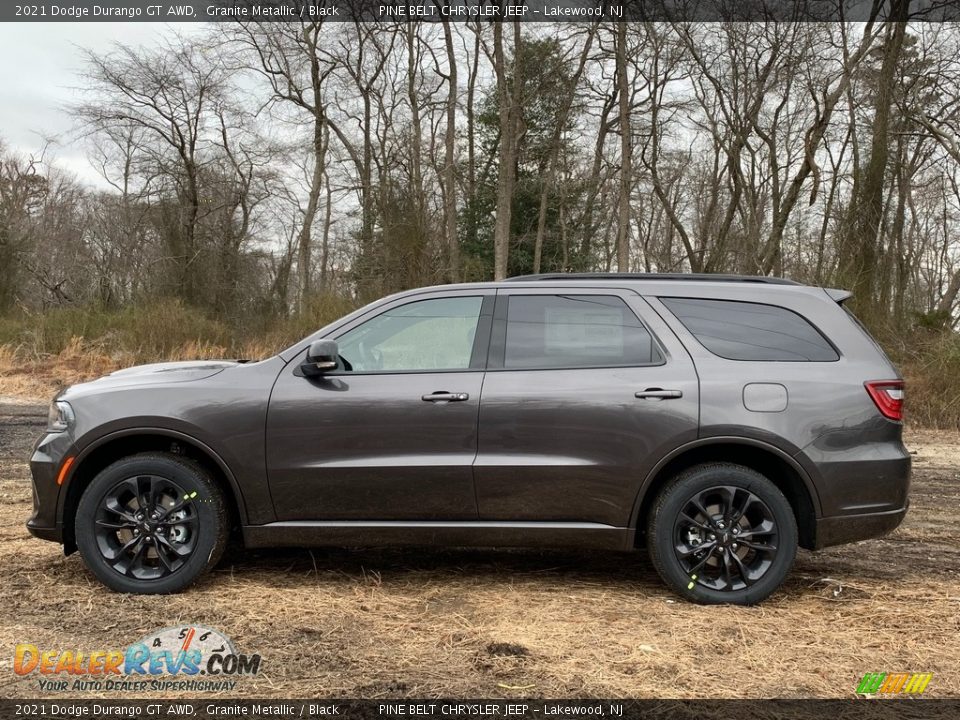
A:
751	331
571	331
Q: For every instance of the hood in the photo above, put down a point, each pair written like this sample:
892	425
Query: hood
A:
176	371
157	373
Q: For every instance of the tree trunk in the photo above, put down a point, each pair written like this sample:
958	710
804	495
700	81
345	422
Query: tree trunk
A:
626	153
506	178
305	238
586	243
471	189
325	240
551	173
859	249
449	167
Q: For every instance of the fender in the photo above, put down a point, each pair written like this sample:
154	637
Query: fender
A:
729	440
151	430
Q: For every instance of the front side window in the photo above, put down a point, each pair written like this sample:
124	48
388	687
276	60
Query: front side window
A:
571	331
426	335
751	331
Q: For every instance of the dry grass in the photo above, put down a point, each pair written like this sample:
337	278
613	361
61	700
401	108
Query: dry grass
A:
40	352
364	623
23	375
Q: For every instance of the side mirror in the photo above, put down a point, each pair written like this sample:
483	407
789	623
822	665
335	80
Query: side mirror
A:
321	357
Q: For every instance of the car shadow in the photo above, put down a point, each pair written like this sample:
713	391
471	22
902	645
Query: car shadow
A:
850	573
863	569
421	562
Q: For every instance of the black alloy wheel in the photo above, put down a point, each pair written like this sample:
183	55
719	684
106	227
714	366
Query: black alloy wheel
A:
146	526
151	523
725	538
722	533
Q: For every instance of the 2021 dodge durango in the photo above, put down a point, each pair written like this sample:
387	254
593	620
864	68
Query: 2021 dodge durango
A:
718	421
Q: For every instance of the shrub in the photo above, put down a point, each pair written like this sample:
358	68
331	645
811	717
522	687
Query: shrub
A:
930	363
144	331
163	330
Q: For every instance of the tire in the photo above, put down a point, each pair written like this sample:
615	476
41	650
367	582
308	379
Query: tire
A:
693	532
148	556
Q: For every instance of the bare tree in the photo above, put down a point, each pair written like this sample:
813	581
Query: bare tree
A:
167	94
449	158
508	86
22	191
858	250
563	115
626	151
366	158
288	57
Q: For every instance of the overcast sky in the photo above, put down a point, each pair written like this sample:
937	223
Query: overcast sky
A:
39	63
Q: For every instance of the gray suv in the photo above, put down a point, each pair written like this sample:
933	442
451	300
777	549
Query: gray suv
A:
718	421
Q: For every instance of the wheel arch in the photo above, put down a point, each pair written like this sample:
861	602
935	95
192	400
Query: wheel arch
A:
124	443
770	461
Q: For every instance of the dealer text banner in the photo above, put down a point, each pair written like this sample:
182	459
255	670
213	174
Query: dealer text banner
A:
463	10
439	709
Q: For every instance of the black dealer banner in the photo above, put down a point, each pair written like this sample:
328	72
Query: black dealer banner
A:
463	10
440	709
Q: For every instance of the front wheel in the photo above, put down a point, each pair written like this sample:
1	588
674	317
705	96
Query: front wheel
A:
722	533
151	523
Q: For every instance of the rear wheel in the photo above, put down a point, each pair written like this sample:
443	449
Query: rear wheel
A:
722	533
151	523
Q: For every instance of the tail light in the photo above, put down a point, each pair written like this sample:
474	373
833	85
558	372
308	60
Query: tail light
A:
887	395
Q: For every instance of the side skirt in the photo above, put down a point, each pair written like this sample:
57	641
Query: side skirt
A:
469	533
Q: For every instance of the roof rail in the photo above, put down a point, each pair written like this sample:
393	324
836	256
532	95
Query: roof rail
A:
696	277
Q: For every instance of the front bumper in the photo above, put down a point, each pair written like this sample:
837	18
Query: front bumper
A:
840	529
44	467
53	534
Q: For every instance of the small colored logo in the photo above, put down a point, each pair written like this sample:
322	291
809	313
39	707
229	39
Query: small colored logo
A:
894	683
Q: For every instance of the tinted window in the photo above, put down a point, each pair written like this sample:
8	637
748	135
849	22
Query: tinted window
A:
751	331
568	331
426	335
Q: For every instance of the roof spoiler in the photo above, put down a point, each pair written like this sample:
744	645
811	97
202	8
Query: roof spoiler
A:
840	296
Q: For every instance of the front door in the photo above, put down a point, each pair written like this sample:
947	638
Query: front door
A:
580	400
392	433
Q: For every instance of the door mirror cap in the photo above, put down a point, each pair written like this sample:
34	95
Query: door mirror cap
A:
321	358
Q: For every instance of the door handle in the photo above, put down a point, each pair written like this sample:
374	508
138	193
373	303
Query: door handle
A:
658	394
445	397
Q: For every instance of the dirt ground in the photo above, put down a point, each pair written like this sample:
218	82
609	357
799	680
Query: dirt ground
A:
473	623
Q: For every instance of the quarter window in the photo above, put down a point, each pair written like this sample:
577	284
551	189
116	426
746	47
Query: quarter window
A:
751	331
570	331
426	335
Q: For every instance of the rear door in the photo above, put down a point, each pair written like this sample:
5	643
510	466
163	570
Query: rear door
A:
586	389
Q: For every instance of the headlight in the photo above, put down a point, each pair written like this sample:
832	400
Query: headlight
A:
60	417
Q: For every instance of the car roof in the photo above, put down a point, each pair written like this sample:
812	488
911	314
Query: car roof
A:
652	283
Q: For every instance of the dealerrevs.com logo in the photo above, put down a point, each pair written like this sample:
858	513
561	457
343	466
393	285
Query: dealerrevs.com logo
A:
182	658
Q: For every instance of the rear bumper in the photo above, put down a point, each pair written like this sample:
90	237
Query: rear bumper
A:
840	529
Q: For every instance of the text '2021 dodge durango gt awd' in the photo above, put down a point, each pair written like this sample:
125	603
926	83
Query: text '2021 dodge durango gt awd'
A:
718	421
